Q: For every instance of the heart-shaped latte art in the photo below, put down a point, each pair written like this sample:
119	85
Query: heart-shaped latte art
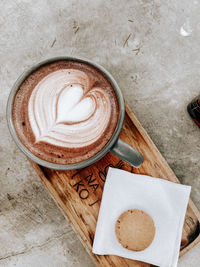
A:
72	107
65	110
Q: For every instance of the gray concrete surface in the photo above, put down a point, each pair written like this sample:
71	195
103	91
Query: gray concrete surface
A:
158	70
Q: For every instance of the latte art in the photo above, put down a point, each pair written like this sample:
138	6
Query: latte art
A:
66	110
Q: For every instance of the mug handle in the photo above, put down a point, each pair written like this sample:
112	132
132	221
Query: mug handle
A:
127	153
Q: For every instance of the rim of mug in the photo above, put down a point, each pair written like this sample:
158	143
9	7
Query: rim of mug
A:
86	162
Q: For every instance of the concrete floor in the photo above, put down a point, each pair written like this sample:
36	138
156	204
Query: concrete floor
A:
158	70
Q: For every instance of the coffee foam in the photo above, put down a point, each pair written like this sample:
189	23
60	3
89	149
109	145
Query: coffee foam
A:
65	111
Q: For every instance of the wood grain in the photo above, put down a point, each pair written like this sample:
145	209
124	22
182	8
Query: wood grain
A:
78	193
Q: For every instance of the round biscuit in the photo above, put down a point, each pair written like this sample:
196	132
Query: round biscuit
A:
135	230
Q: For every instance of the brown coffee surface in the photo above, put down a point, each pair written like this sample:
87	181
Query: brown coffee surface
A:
65	112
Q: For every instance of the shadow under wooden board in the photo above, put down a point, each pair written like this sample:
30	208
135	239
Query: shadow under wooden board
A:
78	193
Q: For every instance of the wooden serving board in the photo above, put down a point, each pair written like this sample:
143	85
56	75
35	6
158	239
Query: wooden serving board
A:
78	193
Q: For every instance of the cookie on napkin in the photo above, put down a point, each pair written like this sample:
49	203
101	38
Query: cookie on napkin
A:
165	202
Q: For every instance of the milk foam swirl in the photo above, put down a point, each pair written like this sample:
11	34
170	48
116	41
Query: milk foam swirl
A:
66	110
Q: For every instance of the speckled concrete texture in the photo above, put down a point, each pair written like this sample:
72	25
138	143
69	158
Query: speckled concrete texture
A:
152	49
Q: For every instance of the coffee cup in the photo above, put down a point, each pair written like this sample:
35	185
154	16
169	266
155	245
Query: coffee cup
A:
84	123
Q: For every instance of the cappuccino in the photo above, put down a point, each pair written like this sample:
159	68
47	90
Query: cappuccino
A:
65	112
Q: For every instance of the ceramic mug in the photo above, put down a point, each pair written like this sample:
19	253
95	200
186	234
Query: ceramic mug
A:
115	145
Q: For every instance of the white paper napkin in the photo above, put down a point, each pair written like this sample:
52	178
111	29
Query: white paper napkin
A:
164	201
